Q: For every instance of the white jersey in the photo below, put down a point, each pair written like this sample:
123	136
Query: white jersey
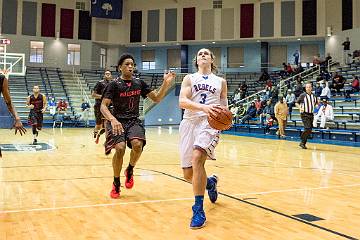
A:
205	90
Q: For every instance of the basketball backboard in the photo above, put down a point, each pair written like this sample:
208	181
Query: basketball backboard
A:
14	62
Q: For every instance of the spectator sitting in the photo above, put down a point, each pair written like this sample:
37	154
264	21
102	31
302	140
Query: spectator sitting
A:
289	69
61	111
268	112
325	113
325	75
338	82
52	106
316	60
62	106
267	93
85	108
325	93
283	72
236	95
250	113
237	111
298	69
355	84
264	76
328	59
258	105
243	88
268	83
353	88
318	89
274	94
290	100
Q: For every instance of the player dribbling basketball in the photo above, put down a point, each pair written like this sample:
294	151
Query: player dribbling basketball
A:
200	93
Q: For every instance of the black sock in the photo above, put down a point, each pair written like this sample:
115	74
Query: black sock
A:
34	130
129	170
117	181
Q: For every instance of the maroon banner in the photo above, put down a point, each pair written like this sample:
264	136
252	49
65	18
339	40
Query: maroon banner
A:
246	20
66	23
48	14
189	23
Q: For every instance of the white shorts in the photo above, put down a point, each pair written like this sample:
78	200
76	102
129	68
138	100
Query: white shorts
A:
196	133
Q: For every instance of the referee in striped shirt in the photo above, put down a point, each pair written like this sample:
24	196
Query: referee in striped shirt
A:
306	103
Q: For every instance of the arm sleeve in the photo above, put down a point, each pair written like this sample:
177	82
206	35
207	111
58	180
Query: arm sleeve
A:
145	89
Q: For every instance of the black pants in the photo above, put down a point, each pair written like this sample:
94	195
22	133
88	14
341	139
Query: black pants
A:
307	119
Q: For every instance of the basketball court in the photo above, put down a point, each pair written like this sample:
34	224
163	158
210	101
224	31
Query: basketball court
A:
268	190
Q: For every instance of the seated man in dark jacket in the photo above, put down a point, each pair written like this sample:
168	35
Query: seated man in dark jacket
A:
338	82
250	113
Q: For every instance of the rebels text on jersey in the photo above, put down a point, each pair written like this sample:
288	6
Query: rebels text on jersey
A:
125	96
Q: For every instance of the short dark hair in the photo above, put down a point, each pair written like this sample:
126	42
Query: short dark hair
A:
123	57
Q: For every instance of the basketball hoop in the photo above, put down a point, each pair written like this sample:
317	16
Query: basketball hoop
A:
12	63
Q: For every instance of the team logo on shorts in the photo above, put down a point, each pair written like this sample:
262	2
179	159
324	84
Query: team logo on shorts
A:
26	147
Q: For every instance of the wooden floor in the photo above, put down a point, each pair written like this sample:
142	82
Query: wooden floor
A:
64	193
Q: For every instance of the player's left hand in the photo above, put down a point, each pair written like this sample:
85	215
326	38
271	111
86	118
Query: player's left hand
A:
19	127
169	76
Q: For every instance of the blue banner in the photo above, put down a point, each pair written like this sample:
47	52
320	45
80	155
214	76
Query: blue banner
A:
107	9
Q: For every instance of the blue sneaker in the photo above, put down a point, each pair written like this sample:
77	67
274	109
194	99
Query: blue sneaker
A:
212	192
198	220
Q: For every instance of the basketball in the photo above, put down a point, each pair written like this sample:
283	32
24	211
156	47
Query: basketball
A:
222	120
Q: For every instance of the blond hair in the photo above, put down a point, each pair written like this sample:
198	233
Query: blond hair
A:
214	68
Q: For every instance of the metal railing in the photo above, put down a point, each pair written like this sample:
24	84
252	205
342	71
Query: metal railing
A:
304	74
84	95
149	104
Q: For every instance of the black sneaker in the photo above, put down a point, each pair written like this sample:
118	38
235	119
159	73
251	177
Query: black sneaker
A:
302	145
102	131
35	141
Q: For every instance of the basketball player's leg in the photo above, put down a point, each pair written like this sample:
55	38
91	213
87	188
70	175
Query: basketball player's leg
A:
189	131
199	173
118	143
98	121
136	141
199	180
36	121
186	145
117	162
195	137
188	174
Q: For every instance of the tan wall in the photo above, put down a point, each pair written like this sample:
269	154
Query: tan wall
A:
118	31
333	15
356	13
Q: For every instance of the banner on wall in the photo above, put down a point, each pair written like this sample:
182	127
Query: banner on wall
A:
107	9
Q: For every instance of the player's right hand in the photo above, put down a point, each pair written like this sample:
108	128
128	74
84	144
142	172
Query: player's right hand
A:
117	128
31	106
19	127
211	109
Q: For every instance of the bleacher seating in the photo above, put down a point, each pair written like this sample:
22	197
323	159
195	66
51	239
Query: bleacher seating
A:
344	127
54	82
